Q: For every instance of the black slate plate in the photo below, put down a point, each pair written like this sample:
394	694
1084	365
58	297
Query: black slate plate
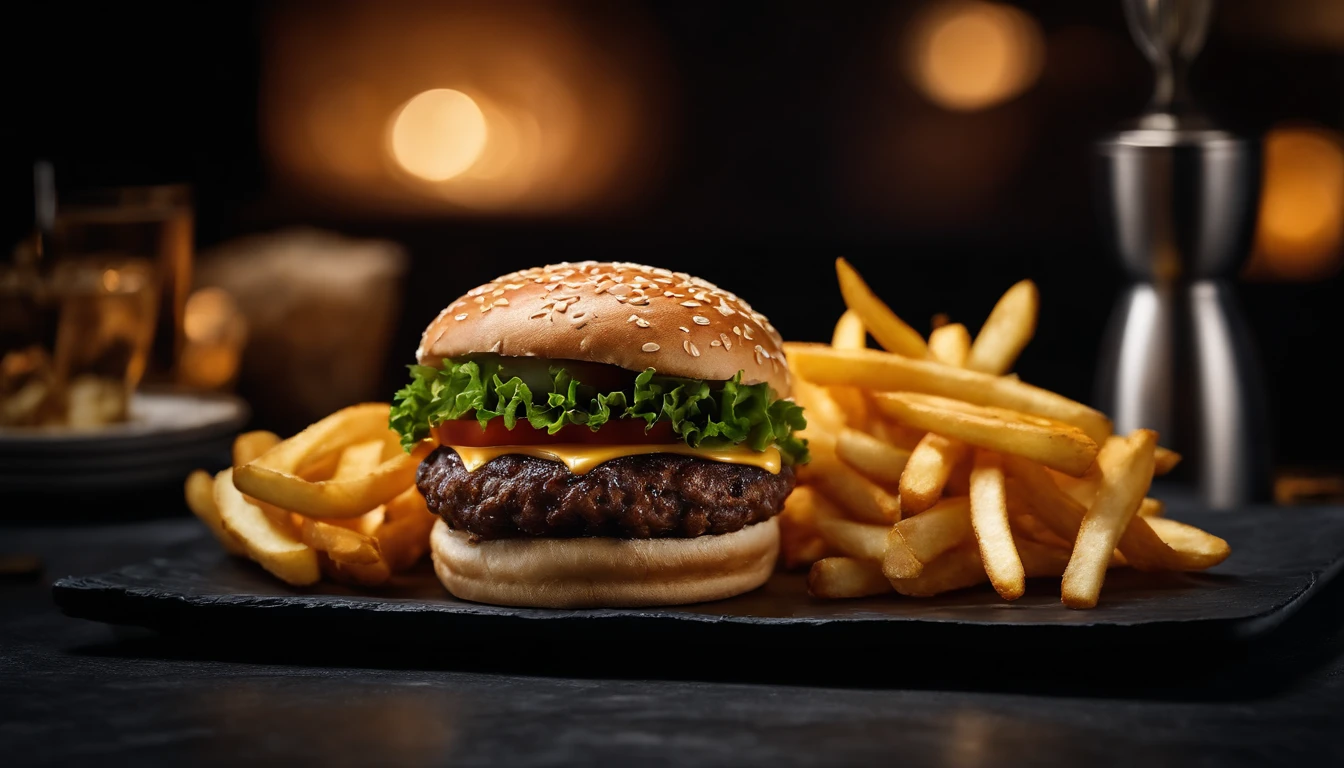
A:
1281	557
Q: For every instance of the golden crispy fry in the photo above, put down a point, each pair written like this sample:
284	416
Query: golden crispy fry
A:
250	445
1123	486
885	372
959	479
359	459
375	574
273	546
1081	489
896	435
1054	444
989	519
871	457
1039	559
404	535
802	552
927	470
340	544
271	477
823	413
1028	526
849	332
893	333
1010	325
1194	549
1151	507
1059	511
859	540
917	541
950	344
958	568
862	498
1165	460
844	577
853	403
200	493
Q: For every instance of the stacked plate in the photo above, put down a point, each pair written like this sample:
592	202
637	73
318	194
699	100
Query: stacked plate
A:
168	435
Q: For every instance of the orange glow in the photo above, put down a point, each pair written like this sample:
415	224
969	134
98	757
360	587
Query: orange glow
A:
549	114
438	134
969	55
1301	225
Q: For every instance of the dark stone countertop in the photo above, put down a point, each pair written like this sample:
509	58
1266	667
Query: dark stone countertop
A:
77	692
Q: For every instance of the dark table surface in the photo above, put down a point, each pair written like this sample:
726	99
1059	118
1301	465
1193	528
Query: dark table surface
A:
77	692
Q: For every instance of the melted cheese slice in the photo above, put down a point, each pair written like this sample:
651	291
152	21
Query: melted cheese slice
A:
581	458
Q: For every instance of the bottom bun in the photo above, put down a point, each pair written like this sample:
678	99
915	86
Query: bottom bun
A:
610	573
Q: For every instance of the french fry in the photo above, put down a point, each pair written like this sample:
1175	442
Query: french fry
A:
958	568
950	344
905	438
959	479
989	519
858	540
1123	487
893	333
1010	325
271	477
375	574
885	372
879	461
846	577
359	459
853	404
862	498
404	535
916	541
823	413
849	332
1054	444
200	493
1059	511
1151	507
1028	526
340	544
1194	549
250	445
1165	460
799	552
271	545
927	470
1040	560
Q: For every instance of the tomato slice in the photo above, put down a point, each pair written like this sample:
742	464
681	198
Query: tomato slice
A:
468	432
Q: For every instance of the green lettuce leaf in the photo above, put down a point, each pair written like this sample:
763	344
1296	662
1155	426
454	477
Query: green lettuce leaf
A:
703	414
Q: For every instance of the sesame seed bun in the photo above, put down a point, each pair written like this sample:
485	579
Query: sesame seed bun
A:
617	313
602	572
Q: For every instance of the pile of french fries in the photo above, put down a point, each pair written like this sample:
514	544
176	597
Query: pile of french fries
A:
338	499
935	468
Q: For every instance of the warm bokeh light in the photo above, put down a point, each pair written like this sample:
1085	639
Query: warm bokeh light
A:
1301	225
548	112
969	55
438	134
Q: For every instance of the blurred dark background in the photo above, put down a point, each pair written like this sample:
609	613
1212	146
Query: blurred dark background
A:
940	146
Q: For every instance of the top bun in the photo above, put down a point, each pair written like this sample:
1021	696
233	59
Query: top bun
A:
622	314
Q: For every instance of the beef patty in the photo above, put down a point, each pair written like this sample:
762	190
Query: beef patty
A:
652	495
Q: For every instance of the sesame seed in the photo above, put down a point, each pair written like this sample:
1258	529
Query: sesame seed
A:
683	329
480	299
737	330
690	303
716	343
746	333
724	309
632	318
701	296
672	295
642	323
700	320
761	351
690	348
538	315
460	317
727	342
650	347
501	302
497	292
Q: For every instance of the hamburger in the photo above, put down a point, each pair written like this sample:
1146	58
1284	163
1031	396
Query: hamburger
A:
608	434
